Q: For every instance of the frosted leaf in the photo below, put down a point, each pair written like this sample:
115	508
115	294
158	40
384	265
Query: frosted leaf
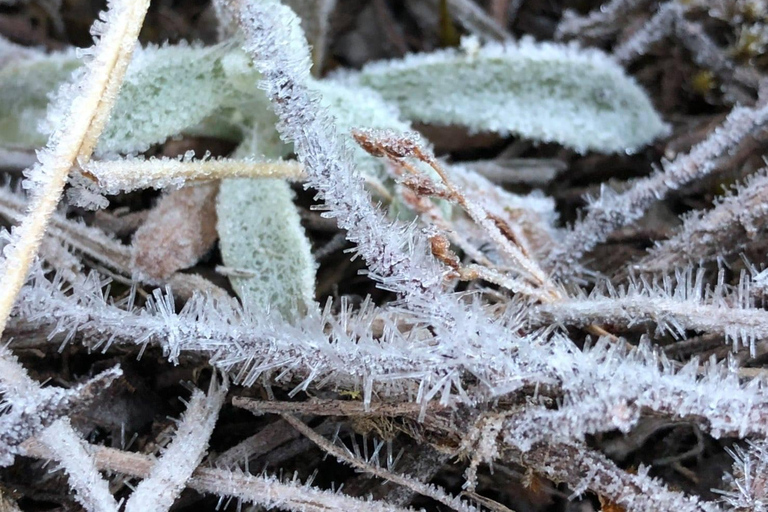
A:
261	236
167	90
24	90
543	91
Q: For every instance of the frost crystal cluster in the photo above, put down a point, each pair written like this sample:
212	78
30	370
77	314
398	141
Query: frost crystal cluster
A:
504	274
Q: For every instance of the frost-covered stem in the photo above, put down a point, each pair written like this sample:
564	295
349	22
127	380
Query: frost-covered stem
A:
583	469
614	210
65	446
661	25
516	250
735	220
117	176
600	21
474	19
28	407
430	491
748	490
740	81
169	475
85	239
262	490
395	255
119	34
74	137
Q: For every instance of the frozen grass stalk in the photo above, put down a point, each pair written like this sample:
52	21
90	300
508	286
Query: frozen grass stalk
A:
84	108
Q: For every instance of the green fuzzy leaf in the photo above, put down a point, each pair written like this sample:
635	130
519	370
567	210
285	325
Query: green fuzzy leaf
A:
167	90
354	106
546	92
261	237
25	87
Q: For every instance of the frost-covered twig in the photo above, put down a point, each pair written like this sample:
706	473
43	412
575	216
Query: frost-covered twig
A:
661	25
748	488
675	303
79	115
344	345
584	469
27	407
264	490
613	210
734	222
474	19
739	81
84	239
91	489
431	491
116	176
169	475
608	18
670	20
512	243
608	388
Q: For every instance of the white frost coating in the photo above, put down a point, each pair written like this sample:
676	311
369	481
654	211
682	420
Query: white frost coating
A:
736	219
169	475
747	491
167	90
613	210
91	489
543	91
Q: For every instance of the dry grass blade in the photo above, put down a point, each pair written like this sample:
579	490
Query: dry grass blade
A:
74	138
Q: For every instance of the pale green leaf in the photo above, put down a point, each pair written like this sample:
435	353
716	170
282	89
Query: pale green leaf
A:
542	91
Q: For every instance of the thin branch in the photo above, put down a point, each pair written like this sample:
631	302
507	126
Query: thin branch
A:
33	407
601	22
584	469
117	176
614	210
318	407
734	222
